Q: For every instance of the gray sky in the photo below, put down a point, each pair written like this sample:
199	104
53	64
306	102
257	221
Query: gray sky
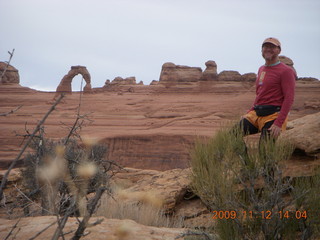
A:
135	37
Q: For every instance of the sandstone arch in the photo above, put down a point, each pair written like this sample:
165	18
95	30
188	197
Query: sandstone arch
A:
65	83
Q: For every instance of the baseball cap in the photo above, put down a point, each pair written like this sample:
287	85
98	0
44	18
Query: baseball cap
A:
272	40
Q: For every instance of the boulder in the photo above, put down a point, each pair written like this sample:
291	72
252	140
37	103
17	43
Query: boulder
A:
167	188
230	76
11	75
128	177
288	62
210	73
172	73
43	228
305	133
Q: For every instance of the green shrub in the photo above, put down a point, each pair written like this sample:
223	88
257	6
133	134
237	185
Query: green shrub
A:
230	176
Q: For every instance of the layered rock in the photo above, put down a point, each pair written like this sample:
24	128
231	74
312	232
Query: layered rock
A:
166	188
153	151
122	81
249	77
65	83
308	79
229	76
210	73
8	74
154	82
172	74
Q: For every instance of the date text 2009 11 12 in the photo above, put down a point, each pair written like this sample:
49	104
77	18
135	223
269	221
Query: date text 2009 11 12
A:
262	214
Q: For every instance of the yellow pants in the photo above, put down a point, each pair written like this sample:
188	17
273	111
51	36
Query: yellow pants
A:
259	122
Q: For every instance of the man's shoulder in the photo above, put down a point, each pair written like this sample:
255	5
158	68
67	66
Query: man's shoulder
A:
288	69
284	66
287	72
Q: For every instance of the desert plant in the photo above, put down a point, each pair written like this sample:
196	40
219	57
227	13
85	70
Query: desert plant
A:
307	205
244	186
57	171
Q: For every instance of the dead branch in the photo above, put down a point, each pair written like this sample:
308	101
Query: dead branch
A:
12	229
5	177
8	64
43	230
84	223
25	196
62	222
10	112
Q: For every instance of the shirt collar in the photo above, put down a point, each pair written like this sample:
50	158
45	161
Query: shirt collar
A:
274	64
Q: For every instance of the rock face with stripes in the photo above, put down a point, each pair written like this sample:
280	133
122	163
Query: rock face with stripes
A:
173	74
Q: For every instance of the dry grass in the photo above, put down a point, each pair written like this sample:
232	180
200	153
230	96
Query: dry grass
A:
143	207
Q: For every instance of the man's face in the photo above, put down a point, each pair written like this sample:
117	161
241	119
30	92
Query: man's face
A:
270	52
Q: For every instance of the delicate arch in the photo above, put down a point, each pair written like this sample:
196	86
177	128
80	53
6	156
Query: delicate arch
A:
65	83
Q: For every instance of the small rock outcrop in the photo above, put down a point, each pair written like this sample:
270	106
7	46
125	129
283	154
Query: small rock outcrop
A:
10	76
249	77
172	74
65	83
210	73
229	76
287	61
154	82
122	81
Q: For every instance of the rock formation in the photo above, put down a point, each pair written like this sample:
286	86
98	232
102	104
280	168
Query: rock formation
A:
169	187
229	76
154	82
11	75
249	77
288	62
65	83
308	79
305	133
210	73
173	74
122	81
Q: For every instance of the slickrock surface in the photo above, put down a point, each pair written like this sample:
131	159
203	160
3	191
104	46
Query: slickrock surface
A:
109	229
149	127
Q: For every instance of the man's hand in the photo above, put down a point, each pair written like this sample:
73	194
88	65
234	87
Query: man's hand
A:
274	131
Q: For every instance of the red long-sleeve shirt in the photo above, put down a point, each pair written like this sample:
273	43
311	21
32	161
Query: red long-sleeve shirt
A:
275	85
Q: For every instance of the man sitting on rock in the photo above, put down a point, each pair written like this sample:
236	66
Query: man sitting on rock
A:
275	86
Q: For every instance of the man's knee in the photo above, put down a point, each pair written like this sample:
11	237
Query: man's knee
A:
247	127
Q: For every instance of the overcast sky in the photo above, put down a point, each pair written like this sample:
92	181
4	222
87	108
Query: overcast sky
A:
135	37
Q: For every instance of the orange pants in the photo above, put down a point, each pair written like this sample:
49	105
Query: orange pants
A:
259	122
